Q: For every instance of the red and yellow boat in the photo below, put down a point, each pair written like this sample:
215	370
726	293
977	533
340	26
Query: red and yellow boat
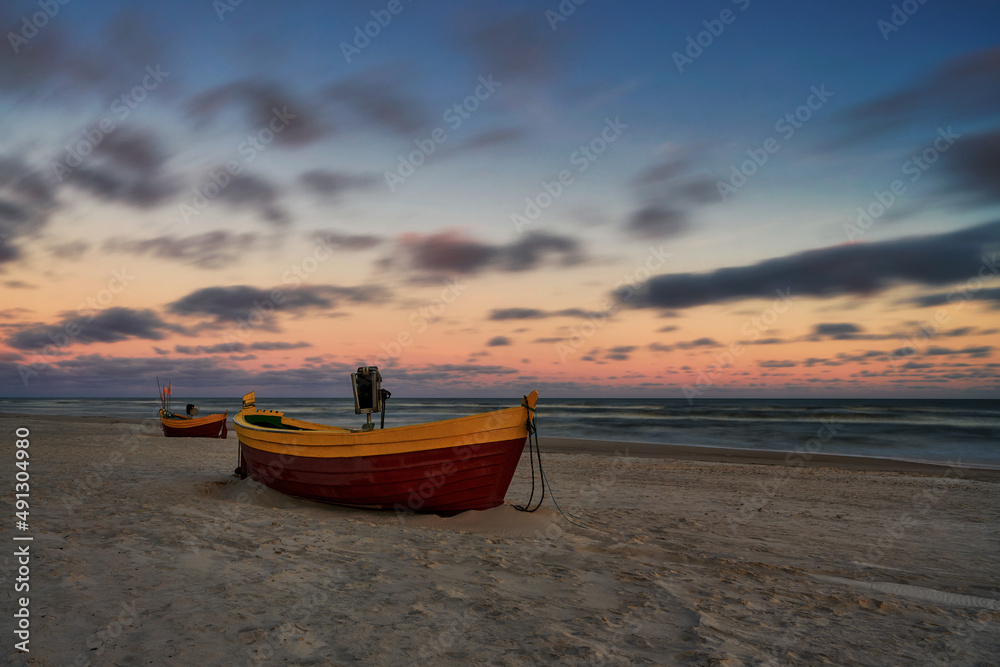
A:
445	467
189	425
209	426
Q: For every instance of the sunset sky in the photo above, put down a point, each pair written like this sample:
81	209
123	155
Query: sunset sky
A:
701	200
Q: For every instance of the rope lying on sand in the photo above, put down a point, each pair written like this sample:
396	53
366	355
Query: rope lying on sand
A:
533	434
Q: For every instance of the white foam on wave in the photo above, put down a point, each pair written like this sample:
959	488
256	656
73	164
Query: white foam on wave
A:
916	593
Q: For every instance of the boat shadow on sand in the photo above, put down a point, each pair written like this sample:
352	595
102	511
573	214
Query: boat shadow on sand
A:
244	496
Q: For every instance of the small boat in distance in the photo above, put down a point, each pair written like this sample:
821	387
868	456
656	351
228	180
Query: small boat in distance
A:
189	425
445	467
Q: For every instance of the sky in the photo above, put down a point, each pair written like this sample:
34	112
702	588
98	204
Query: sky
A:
721	199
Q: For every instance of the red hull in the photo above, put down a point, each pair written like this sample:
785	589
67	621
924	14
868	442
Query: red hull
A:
212	430
449	480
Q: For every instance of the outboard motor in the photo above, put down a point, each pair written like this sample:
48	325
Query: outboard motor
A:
369	396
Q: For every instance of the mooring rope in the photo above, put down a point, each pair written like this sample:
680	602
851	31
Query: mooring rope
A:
531	458
533	432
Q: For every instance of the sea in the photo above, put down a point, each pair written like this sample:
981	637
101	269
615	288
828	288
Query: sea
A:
957	431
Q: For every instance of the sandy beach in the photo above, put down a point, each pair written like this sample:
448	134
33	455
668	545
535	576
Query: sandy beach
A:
147	551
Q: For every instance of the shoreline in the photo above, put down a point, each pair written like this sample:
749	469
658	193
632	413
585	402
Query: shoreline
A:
791	459
702	453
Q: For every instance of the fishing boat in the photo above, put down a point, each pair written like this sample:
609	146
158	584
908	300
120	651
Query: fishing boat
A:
444	467
189	424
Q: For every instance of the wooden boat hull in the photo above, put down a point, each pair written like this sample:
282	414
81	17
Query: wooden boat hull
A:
444	467
209	426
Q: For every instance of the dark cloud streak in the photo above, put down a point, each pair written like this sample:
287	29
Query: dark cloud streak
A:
862	269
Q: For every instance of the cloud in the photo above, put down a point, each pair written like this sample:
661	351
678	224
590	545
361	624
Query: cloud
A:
254	193
685	345
267	108
974	351
777	364
837	330
435	371
451	252
126	167
14	313
656	222
447	252
513	47
106	326
490	139
341	241
118	186
964	88
70	249
675	180
620	352
498	341
133	149
700	342
957	296
861	269
236	347
766	341
238	303
517	314
536	314
534	247
27	200
62	65
211	250
95	374
669	190
974	167
331	184
375	99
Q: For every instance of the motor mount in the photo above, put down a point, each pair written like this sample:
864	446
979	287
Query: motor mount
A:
367	383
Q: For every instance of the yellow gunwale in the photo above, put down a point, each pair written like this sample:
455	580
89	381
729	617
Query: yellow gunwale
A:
192	423
323	441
